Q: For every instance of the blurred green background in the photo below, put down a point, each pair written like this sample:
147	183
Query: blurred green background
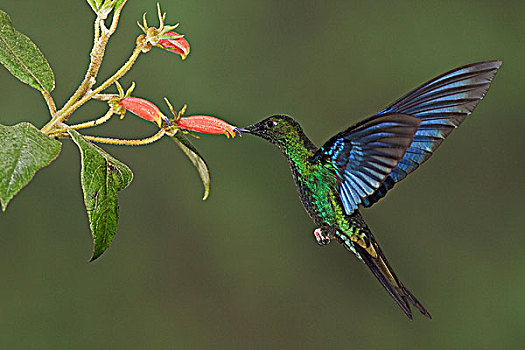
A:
242	269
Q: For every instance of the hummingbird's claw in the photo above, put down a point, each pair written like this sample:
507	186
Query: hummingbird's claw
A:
321	238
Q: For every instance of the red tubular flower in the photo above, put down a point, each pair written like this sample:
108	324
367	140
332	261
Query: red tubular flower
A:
144	109
174	42
207	125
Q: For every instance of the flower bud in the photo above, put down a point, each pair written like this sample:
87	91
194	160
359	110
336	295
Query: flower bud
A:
206	124
174	42
144	109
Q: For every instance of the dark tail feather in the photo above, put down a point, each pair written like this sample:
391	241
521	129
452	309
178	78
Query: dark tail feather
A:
386	276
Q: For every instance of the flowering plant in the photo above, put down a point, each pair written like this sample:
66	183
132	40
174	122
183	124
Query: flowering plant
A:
24	149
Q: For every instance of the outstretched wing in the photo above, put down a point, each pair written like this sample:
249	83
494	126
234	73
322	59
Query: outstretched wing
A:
441	104
365	154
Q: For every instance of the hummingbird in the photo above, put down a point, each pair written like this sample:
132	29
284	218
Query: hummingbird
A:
358	166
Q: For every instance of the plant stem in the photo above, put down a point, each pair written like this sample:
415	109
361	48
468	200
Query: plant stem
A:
96	31
64	114
121	142
123	70
104	97
97	54
50	103
101	38
87	124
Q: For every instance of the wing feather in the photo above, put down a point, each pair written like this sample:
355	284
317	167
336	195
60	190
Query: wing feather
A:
365	154
442	104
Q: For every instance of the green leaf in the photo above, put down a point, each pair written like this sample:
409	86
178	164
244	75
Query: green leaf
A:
95	4
23	151
102	176
194	156
118	3
104	7
23	58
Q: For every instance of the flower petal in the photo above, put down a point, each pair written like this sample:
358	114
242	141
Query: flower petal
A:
174	42
144	109
206	124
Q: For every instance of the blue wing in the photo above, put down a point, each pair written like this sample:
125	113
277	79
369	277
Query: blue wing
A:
366	153
441	104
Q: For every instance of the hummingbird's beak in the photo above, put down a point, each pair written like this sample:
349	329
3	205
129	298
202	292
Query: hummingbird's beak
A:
241	130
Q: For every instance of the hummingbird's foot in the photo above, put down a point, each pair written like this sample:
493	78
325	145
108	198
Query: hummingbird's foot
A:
321	237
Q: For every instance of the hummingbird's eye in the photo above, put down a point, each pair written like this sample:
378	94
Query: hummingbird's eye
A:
271	124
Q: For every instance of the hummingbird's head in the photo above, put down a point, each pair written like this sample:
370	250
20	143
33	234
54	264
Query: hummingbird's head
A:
278	129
